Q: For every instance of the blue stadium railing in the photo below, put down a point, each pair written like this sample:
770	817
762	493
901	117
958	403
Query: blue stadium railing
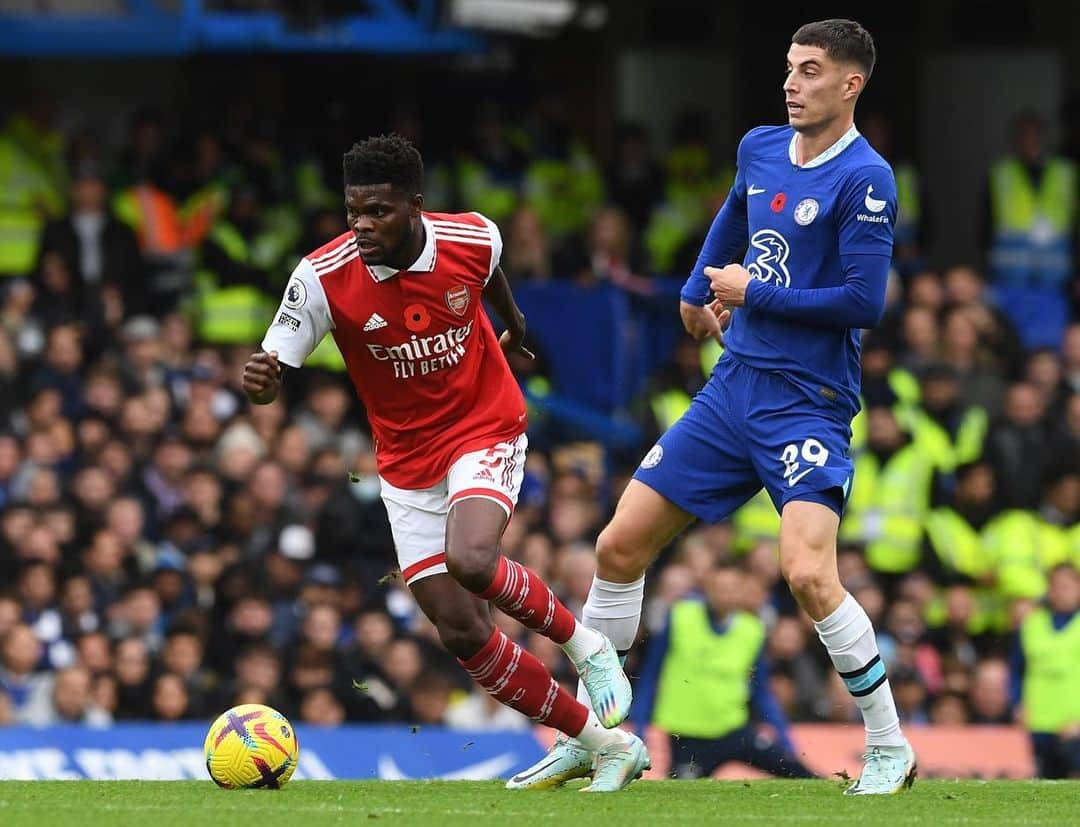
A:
600	345
143	27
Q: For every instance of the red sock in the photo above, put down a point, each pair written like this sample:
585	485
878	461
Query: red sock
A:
522	682
521	593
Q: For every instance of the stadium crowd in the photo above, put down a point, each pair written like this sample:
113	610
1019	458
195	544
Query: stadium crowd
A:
168	550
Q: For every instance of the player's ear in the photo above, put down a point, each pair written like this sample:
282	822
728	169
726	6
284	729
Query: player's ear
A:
416	204
853	85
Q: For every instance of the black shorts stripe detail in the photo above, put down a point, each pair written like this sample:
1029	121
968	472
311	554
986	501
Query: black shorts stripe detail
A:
862	670
869	689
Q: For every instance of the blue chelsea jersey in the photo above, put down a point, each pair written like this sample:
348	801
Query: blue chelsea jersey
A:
807	228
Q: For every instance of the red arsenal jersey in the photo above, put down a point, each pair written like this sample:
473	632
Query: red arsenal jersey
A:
418	344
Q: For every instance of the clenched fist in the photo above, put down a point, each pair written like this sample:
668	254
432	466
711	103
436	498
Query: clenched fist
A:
703	322
262	377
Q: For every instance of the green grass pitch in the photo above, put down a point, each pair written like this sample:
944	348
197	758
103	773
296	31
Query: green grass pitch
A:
164	803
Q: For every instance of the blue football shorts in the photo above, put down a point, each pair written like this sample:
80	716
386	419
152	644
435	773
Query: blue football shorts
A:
749	428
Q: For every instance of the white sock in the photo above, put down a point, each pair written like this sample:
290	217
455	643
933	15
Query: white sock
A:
613	609
594	736
849	638
583	642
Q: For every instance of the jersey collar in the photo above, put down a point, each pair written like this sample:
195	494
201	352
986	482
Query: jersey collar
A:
424	264
828	154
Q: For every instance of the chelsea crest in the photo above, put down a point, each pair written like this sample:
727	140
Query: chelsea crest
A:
806	211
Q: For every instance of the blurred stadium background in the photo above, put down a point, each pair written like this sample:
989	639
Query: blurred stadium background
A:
167	551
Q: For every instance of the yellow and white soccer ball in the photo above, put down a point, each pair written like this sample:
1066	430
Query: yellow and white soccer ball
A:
251	746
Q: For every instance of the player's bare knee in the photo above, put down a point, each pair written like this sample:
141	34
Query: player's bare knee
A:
618	558
804	579
472	561
811	580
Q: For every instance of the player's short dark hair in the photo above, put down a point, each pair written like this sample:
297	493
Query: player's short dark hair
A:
843	40
385	159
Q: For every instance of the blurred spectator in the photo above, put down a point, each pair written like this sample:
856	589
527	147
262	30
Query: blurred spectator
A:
954	537
489	175
963	636
139	615
321	708
890	496
72	701
965	288
635	181
910	694
1021	447
978	372
98	251
693	192
62	367
1045	373
949	429
990	702
231	303
131	665
791	656
182	655
169	700
1031	226
1046	654
142	202
921	338
527	250
561	179
29	179
352	528
94	653
26	687
706	677
607	253
949	709
429	697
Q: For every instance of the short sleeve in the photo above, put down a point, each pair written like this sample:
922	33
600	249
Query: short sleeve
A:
867	215
301	320
496	243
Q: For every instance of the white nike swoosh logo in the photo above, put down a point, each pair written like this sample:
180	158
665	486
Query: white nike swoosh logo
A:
752	190
796	477
873	204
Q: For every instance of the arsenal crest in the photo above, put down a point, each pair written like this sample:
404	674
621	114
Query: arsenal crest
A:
457	299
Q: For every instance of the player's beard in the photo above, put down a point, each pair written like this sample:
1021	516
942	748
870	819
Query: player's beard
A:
394	257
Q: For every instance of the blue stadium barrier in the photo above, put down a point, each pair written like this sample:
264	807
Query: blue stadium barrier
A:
156	751
601	343
141	27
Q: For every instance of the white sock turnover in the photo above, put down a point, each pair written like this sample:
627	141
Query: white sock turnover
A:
615	610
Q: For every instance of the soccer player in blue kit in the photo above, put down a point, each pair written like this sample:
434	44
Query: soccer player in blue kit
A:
814	206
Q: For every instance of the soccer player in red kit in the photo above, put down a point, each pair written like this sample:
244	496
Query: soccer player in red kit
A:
402	293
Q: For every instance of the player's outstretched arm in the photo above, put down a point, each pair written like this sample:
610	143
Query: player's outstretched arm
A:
262	377
498	294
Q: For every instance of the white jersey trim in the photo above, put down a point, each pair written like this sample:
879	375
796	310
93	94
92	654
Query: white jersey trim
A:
349	243
425	263
843	143
496	243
